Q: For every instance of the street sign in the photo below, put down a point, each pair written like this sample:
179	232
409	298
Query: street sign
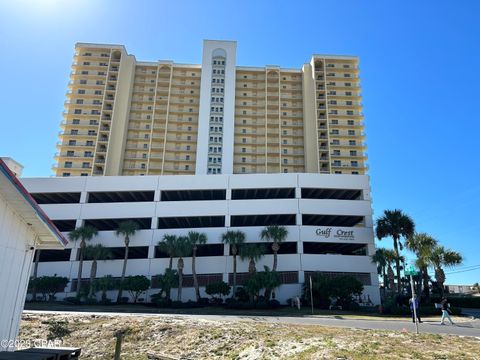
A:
410	270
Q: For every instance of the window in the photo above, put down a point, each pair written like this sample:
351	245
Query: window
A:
353	152
76	121
77	111
349	112
80	91
336	152
65	174
73	132
352	142
243	169
187	167
91	132
335	142
354	163
285	161
351	122
70	153
334	132
348	93
98	92
93	122
349	102
83	82
334	122
351	132
337	163
85	165
244	150
68	164
89	143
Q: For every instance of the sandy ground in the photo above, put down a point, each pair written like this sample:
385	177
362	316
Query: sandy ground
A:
172	337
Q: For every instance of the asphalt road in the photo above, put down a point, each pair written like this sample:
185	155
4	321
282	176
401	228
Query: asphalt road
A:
465	327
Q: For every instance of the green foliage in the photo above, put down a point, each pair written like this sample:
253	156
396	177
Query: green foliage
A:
274	233
136	285
83	233
167	281
127	228
251	252
266	279
217	288
57	330
343	288
97	252
48	286
104	284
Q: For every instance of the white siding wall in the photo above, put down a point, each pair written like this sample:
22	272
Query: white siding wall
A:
15	264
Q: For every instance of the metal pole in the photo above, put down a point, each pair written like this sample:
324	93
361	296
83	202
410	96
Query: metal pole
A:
311	293
414	304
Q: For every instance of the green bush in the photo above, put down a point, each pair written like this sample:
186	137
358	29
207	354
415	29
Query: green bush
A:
220	288
57	330
72	300
343	288
49	286
136	285
460	301
105	284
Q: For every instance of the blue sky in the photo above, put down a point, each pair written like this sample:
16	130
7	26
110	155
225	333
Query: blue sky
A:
419	65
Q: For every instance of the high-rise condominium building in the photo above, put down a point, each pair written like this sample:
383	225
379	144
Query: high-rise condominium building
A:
129	117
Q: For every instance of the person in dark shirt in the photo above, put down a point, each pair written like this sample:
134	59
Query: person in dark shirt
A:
445	309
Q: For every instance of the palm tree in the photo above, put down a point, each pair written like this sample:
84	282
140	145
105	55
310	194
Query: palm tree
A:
276	234
253	253
84	234
381	261
95	253
167	245
182	249
396	224
234	239
390	257
194	240
126	229
440	258
422	245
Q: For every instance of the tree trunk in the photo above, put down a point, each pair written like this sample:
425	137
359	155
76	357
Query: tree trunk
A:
440	277
397	264
384	274
391	278
194	273
180	278
35	272
168	293
251	267
80	267
275	248
426	287
234	289
124	270
93	275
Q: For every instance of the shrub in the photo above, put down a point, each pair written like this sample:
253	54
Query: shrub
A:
273	304
220	288
160	301
343	288
460	301
205	301
72	300
104	284
49	286
241	294
136	285
57	330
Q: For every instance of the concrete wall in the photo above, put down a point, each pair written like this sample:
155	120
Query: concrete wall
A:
216	264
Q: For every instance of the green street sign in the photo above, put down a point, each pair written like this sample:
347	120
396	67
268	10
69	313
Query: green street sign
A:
411	271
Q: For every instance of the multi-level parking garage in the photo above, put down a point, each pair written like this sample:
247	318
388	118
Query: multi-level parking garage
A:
328	218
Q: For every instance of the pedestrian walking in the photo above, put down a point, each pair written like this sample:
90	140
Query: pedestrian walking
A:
445	309
414	308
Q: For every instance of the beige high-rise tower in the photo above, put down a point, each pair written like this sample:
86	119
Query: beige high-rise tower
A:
126	117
